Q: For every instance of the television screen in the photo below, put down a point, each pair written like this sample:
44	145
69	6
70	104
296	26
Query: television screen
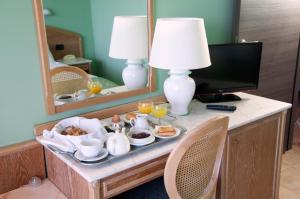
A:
235	67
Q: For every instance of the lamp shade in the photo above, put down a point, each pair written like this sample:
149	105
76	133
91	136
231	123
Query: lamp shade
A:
180	44
129	39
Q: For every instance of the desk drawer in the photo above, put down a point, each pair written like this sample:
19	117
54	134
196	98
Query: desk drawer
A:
133	177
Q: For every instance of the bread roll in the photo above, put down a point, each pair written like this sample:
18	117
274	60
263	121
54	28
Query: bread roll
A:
130	116
116	119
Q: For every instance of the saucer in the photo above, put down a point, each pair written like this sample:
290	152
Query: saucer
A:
79	156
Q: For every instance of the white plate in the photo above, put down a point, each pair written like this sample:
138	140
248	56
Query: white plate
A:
79	156
166	137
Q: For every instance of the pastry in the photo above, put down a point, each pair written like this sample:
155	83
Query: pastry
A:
116	119
130	116
73	131
166	131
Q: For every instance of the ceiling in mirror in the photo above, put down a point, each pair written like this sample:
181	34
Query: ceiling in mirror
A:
95	49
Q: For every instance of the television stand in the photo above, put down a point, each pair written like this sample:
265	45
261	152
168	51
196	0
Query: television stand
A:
216	98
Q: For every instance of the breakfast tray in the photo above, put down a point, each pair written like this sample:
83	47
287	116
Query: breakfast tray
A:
133	149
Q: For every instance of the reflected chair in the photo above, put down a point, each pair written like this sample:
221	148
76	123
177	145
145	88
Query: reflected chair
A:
192	168
68	79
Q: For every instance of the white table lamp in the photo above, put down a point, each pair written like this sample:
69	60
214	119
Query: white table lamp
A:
129	40
179	44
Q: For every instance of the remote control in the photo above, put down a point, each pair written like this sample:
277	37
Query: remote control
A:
221	107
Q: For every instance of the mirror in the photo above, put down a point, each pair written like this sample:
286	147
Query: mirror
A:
94	51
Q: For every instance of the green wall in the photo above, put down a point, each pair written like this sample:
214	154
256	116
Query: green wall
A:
21	99
74	16
217	14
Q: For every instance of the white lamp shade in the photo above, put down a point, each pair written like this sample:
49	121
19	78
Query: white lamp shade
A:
129	39
180	44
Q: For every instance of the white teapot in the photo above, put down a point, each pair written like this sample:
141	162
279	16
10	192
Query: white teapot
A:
118	143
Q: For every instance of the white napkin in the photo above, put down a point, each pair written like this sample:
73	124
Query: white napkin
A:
67	143
49	139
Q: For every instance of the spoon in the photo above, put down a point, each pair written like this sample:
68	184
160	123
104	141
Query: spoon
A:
59	151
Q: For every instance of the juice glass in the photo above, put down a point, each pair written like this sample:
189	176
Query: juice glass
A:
94	86
145	107
159	111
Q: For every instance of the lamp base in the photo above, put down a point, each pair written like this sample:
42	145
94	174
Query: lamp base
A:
135	75
179	89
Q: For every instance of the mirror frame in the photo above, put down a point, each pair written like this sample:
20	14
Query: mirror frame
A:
45	68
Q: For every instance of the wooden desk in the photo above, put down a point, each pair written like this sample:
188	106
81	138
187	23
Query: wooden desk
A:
250	167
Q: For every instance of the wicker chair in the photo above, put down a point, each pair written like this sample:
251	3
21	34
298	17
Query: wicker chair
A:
68	79
193	166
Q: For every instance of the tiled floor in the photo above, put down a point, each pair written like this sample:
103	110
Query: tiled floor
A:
290	174
46	191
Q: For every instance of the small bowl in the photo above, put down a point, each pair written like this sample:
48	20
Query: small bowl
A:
76	140
141	140
91	147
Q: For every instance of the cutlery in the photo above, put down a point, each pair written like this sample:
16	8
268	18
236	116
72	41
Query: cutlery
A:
59	151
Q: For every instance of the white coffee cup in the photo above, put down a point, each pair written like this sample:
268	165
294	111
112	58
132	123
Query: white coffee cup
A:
90	147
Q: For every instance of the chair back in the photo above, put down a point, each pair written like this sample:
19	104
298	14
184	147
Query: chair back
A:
68	79
193	166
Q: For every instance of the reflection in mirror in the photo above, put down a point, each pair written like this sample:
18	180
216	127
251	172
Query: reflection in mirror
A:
130	41
89	42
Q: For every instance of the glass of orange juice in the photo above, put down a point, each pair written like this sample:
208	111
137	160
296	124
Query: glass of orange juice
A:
145	107
159	111
94	86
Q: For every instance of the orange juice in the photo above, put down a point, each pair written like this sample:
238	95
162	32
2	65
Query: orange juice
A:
145	107
159	111
94	87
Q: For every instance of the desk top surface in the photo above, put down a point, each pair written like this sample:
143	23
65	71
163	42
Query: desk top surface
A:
250	109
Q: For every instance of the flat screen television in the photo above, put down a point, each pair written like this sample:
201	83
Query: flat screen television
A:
235	67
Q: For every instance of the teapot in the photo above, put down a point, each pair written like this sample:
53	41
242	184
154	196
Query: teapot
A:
140	122
118	143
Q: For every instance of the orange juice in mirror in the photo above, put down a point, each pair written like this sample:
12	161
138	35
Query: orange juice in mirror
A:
145	107
94	86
